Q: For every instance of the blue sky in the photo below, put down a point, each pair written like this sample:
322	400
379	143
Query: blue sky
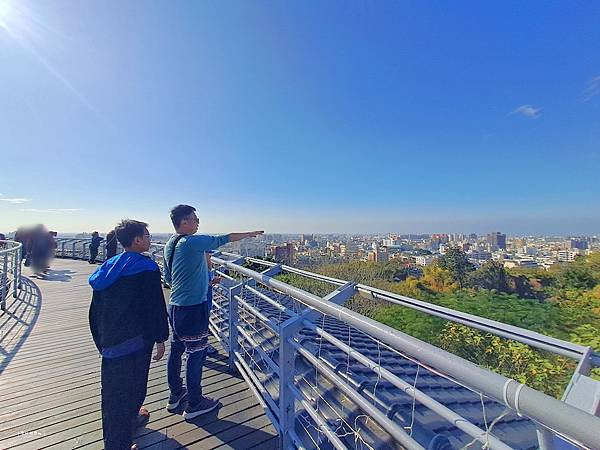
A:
302	116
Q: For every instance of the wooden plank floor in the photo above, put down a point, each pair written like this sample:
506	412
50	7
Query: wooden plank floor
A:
50	380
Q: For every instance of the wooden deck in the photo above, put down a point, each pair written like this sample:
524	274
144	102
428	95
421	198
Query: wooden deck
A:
50	380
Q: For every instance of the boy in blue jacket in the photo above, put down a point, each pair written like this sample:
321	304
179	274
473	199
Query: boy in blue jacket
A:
127	318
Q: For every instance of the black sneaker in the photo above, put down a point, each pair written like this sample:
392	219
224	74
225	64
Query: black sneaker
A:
206	405
175	400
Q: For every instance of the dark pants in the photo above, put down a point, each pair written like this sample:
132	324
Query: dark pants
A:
124	384
190	336
93	254
110	252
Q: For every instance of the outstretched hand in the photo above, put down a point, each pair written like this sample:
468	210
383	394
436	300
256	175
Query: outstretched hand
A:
255	233
160	351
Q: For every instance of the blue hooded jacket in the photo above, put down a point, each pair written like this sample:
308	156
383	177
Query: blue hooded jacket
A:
122	265
128	311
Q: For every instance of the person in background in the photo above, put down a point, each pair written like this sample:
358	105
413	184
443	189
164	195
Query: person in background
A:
94	246
186	271
111	244
40	250
127	318
22	236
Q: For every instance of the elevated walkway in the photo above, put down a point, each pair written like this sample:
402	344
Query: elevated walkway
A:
312	373
50	379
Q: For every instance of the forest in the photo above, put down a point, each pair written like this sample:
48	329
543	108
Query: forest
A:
563	302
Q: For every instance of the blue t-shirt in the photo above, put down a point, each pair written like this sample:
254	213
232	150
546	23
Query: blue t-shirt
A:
188	277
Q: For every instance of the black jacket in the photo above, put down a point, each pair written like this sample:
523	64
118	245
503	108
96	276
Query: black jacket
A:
127	302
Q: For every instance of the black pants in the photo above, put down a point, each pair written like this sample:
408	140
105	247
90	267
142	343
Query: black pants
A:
93	254
124	384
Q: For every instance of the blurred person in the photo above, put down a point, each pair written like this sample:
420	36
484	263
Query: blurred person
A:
186	271
40	249
111	244
127	318
94	246
22	236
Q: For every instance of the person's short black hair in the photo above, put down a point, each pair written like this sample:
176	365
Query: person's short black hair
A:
128	229
180	212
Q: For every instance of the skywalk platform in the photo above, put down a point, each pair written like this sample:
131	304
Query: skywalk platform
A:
50	379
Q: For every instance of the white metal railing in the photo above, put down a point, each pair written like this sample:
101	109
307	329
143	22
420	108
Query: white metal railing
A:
11	256
323	372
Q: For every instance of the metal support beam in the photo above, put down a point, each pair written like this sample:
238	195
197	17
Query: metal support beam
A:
233	293
287	399
340	296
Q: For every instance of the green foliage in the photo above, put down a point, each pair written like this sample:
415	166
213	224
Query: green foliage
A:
563	303
490	275
545	372
456	262
577	276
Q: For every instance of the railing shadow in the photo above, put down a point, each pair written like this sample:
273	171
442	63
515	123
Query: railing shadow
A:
56	275
17	322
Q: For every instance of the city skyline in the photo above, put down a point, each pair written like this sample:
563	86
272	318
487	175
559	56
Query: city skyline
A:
325	118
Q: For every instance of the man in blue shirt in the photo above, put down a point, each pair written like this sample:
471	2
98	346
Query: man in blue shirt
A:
186	271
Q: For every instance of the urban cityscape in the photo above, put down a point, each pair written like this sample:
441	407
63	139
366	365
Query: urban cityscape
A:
418	250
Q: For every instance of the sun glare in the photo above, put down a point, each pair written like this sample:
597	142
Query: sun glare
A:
6	12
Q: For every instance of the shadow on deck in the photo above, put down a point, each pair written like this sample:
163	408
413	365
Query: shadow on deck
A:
50	380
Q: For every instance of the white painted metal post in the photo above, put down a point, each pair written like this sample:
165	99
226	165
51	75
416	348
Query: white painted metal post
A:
4	281
233	324
287	399
16	264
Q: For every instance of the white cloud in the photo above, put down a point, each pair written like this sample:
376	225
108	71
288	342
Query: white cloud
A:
592	89
15	201
528	111
52	210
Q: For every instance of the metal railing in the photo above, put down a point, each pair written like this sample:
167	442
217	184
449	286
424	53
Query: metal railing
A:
328	377
79	248
11	257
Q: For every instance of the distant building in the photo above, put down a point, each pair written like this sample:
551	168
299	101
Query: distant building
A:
528	263
519	243
424	260
378	256
567	255
283	253
479	255
575	243
306	239
392	242
497	240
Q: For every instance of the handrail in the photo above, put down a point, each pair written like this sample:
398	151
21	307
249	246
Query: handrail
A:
554	414
233	309
11	257
523	335
532	338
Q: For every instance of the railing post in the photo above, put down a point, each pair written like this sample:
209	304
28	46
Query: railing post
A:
4	281
73	252
287	400
16	277
233	324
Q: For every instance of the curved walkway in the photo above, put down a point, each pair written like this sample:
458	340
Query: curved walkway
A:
50	380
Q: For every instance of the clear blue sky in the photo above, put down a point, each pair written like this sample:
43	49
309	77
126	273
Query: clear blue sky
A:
304	116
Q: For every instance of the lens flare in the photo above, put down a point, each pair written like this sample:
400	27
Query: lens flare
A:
5	13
